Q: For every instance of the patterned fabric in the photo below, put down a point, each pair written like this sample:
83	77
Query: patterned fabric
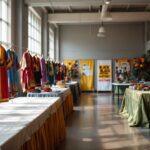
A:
27	74
58	72
43	71
13	79
37	70
50	72
55	72
45	94
3	75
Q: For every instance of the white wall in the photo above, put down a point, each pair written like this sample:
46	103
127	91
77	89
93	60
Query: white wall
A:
121	41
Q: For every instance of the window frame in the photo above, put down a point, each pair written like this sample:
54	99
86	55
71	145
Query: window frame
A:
5	23
51	44
34	32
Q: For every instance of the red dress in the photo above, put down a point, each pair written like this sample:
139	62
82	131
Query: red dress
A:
27	76
3	75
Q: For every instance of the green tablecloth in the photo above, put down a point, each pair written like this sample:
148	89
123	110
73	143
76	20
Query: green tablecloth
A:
136	108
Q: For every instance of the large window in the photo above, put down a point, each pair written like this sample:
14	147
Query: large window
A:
51	44
5	28
34	32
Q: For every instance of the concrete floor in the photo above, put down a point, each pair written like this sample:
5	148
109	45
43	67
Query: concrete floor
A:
96	125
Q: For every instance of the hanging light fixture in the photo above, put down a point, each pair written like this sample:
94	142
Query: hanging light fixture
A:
107	2
100	34
101	29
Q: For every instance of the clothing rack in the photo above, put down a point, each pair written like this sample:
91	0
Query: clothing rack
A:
31	52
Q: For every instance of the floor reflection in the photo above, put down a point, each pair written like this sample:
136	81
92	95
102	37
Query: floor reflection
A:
96	125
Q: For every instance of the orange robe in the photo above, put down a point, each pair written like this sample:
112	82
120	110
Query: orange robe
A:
3	75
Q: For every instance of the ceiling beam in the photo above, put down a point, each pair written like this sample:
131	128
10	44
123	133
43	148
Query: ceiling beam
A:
90	8
64	3
95	17
128	6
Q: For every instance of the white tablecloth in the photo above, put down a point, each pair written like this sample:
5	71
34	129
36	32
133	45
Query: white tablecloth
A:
56	92
21	117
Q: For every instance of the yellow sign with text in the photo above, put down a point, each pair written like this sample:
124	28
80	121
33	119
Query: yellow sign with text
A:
104	72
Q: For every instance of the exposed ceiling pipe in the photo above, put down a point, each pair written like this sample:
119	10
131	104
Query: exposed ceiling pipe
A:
104	11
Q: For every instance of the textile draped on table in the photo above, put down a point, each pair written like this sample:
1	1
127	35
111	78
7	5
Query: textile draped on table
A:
43	71
136	108
13	79
3	75
37	70
27	75
86	74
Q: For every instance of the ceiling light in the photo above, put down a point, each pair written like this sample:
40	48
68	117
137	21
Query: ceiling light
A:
100	35
107	2
101	29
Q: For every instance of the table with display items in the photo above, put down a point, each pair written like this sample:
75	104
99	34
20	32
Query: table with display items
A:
31	123
65	95
118	86
136	107
75	89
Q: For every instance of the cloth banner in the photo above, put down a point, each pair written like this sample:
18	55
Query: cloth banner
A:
104	75
72	68
122	70
86	75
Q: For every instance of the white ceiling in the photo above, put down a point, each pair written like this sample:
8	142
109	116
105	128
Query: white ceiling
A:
86	11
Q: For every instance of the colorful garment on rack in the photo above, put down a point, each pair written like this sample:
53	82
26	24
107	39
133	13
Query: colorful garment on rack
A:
63	71
3	75
50	72
55	72
58	73
37	70
27	75
43	71
13	79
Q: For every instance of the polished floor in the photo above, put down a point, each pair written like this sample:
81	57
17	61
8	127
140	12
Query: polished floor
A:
96	125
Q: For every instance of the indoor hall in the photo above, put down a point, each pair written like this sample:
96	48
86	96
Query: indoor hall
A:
74	74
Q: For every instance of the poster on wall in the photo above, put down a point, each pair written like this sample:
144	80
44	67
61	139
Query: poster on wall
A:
72	68
86	70
104	75
86	75
122	70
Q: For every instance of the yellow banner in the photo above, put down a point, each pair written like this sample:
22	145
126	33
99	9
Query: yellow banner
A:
86	74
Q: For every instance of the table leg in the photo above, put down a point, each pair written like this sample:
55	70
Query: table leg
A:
113	94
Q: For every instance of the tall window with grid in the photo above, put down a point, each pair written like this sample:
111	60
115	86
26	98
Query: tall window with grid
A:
34	32
51	44
5	22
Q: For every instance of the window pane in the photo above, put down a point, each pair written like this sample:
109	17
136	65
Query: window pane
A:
4	31
51	43
5	22
34	33
4	11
